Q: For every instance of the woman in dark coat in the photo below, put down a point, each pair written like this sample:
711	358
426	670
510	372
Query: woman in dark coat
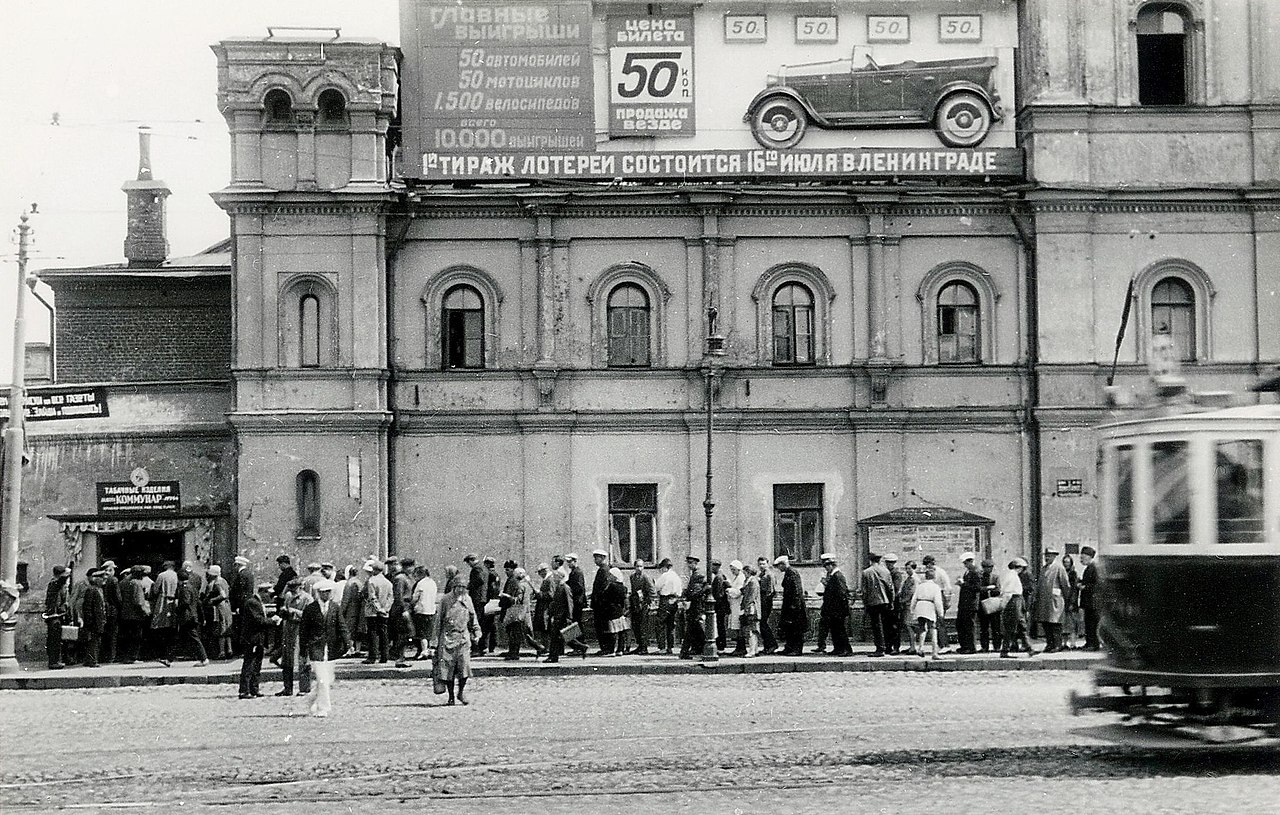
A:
613	608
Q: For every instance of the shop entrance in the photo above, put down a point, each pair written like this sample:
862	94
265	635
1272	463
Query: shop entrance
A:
140	547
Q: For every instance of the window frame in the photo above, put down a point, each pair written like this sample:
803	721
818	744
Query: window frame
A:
1202	291
323	120
635	340
294	293
818	513
472	319
632	515
271	110
983	286
659	295
823	296
307	504
793	336
433	323
975	308
1193	15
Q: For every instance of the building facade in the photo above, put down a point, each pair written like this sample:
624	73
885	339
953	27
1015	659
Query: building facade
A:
386	359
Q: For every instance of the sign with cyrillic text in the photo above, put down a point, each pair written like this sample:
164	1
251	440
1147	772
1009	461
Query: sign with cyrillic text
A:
650	76
127	498
84	403
851	164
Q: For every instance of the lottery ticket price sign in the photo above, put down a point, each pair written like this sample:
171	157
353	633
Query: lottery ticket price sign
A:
651	76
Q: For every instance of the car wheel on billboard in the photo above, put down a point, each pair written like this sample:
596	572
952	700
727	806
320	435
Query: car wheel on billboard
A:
779	122
962	119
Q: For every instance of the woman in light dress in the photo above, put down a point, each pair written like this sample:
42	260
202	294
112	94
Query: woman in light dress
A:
733	623
927	608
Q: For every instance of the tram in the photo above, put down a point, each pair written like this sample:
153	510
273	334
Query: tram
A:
1189	582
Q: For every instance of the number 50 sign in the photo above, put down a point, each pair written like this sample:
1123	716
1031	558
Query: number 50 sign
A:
650	76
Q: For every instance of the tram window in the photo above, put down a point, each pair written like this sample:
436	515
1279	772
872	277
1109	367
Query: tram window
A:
1239	482
1170	498
1124	495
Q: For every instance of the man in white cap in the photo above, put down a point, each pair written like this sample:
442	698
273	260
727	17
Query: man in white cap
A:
1012	621
967	607
1051	599
240	588
598	585
325	637
835	607
793	620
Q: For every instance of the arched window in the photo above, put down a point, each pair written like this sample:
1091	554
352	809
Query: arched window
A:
332	111
278	107
309	331
958	326
792	325
628	326
462	323
308	500
1173	312
1165	56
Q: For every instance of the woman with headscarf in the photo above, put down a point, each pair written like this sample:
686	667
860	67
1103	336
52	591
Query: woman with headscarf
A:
217	603
613	607
459	628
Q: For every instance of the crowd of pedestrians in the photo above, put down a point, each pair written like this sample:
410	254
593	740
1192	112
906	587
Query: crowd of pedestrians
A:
393	610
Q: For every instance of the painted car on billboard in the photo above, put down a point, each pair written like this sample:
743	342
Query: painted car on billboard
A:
956	97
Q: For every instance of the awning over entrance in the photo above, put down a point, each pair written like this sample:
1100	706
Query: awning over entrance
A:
74	527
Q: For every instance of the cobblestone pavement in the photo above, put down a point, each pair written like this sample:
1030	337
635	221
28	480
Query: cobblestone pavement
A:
805	743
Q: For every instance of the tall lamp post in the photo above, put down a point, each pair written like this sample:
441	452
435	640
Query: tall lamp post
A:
715	349
13	446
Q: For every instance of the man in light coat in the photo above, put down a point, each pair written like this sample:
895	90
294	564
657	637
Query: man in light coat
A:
378	596
1051	599
878	599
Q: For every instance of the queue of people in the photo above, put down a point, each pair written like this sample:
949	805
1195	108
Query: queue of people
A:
392	610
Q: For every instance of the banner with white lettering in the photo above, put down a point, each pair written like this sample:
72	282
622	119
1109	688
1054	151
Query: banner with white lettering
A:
127	498
650	76
47	406
488	75
721	165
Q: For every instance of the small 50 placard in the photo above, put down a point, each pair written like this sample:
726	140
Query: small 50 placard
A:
959	28
810	28
888	28
746	28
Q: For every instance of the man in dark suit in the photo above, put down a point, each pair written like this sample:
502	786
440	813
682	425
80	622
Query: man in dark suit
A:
93	617
325	638
720	597
577	582
835	607
695	593
641	598
239	591
766	606
478	591
793	620
878	601
57	610
598	585
253	632
111	594
1088	598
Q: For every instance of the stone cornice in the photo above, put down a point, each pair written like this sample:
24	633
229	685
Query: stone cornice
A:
295	422
39	433
311	374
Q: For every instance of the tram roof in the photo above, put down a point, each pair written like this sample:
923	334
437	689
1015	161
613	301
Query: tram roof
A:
1190	416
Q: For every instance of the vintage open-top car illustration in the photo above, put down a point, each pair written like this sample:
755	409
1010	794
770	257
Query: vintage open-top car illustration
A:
957	97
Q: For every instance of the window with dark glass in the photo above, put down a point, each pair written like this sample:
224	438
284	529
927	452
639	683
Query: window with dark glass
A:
792	325
1124	496
309	331
278	107
797	521
632	510
1163	54
957	323
628	313
1170	494
1173	312
308	498
1239	480
463	328
332	109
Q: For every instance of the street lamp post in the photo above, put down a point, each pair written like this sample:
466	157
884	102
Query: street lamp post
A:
715	349
14	443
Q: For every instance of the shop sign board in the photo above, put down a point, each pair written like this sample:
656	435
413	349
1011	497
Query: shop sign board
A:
130	498
515	91
46	406
945	542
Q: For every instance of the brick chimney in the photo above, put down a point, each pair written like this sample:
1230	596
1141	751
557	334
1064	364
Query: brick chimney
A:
145	243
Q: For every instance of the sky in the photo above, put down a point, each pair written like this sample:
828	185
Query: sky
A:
100	70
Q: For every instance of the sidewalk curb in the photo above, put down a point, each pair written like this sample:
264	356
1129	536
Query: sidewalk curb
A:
228	673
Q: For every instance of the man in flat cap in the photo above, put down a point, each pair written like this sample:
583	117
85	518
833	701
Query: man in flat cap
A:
1051	599
878	598
641	598
967	606
892	627
57	611
378	595
668	587
577	583
598	585
111	595
135	609
478	591
93	618
793	619
1088	602
695	593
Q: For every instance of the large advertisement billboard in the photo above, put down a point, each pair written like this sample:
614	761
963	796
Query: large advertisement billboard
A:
849	89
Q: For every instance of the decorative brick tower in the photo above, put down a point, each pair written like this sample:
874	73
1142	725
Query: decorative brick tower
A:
145	242
309	191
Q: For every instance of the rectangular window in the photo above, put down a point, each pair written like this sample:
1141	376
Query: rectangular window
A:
628	337
1170	495
1239	491
1162	72
1124	495
797	521
957	334
465	338
633	509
